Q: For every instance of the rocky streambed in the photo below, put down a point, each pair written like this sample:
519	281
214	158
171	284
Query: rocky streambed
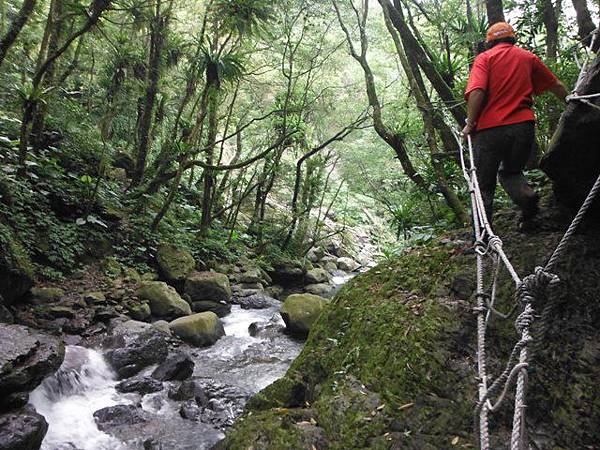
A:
153	383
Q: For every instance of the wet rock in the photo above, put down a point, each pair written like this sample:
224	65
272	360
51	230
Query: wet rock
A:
189	390
330	266
266	330
221	309
23	429
300	311
164	299
60	311
257	301
139	311
200	286
26	358
200	329
43	295
315	276
148	348
119	415
16	269
174	264
347	264
321	289
190	410
177	366
143	385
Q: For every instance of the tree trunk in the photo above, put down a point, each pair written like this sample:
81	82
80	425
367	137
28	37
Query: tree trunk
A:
495	11
95	10
55	24
414	47
551	16
430	120
152	78
208	175
15	27
585	23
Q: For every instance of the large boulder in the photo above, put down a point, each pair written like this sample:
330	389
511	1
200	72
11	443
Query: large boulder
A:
149	347
200	329
212	286
572	160
321	289
142	385
22	429
164	299
26	358
174	263
16	269
317	275
118	416
178	366
300	311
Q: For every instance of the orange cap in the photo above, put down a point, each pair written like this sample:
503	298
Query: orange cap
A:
500	30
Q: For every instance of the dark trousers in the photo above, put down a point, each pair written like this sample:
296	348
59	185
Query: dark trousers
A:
504	151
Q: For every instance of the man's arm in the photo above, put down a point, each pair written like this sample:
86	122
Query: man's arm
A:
474	107
559	90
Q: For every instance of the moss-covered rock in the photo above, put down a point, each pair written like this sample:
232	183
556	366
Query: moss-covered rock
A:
174	263
139	311
164	299
390	363
200	329
42	295
213	286
300	311
16	269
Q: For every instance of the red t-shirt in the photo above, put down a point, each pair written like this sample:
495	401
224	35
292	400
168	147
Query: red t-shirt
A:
510	76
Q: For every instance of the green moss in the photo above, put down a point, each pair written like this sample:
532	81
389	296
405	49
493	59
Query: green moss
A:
390	364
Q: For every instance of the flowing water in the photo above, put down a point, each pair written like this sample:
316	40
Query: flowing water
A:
230	371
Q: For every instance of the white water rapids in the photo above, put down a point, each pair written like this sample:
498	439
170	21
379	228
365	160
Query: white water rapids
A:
85	383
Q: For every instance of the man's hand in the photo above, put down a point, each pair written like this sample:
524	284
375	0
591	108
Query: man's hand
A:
468	129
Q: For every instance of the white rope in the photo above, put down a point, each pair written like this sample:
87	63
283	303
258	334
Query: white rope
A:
527	290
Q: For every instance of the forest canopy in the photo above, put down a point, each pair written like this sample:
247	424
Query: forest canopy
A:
270	124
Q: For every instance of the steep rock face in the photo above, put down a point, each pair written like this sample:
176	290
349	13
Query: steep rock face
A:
390	364
26	358
573	160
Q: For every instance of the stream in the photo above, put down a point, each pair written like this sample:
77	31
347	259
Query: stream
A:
236	367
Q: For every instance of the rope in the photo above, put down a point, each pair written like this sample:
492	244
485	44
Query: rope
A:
487	244
531	291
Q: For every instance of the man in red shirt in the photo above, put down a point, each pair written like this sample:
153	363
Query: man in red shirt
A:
499	97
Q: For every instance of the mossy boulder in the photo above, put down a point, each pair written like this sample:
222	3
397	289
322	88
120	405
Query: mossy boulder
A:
163	299
212	286
16	269
139	311
174	263
315	276
42	295
200	329
300	311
